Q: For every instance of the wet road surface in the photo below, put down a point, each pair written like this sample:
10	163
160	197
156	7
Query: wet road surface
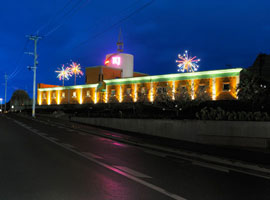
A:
42	161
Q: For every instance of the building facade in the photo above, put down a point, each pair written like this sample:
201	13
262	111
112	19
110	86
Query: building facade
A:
210	85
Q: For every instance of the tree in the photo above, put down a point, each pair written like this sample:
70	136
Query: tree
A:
20	99
251	87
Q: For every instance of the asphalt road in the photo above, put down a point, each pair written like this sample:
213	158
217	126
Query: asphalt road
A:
44	161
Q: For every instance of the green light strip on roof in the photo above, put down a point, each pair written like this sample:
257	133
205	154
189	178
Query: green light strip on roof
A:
156	78
172	77
68	87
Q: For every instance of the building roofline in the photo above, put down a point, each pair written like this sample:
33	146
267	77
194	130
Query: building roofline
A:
178	76
156	78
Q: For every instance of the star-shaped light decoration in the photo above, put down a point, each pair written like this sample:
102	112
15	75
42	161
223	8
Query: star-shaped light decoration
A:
187	63
64	73
76	70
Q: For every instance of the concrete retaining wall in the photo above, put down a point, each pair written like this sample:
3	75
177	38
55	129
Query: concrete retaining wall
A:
231	133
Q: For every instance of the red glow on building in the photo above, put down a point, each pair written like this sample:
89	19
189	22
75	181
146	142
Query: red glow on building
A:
107	62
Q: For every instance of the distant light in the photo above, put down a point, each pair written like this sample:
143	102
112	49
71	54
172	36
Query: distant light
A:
12	106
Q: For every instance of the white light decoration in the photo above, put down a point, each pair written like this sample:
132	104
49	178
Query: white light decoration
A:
95	97
39	101
120	94
186	63
151	93
192	90
213	88
64	74
173	90
135	93
81	97
58	97
106	95
49	98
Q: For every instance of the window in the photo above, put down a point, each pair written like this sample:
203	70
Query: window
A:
112	92
44	96
128	91
74	95
143	90
202	88
226	87
88	93
183	88
161	90
53	95
63	95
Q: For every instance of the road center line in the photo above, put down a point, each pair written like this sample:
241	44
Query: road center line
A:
132	172
92	155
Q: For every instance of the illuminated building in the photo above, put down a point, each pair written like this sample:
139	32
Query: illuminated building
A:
115	81
219	84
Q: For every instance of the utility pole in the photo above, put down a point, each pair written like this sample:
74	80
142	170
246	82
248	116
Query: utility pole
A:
6	79
35	38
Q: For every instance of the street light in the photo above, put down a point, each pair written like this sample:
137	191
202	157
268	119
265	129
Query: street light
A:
1	101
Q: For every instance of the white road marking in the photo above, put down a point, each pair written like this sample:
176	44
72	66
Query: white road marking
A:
120	172
92	155
211	166
52	138
42	134
252	174
207	157
67	145
132	172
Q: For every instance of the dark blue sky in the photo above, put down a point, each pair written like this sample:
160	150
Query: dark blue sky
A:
220	33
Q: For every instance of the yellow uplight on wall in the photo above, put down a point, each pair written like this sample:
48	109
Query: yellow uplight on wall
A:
192	90
39	99
213	89
151	93
95	97
173	90
58	97
49	98
135	93
120	94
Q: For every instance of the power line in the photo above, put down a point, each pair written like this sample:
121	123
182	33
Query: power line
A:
54	17
125	18
111	18
18	68
118	22
75	8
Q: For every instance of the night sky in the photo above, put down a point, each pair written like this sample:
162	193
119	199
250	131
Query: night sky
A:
223	34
